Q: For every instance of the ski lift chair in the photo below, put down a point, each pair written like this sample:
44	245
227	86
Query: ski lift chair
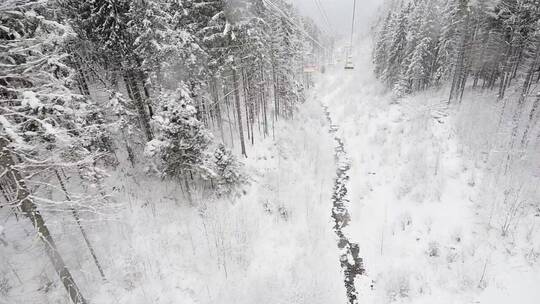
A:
349	64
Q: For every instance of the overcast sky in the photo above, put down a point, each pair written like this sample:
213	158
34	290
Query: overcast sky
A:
340	13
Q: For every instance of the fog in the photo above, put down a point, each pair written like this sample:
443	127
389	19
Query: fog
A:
340	14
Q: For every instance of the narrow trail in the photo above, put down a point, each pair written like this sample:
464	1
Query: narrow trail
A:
351	263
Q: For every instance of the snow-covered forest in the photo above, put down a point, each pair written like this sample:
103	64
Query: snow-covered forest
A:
255	151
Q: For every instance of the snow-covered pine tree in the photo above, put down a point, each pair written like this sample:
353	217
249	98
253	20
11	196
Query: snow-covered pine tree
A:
531	63
380	52
212	24
480	42
205	22
415	20
107	24
418	69
161	46
45	128
446	44
448	40
462	56
253	34
397	46
180	147
422	47
286	56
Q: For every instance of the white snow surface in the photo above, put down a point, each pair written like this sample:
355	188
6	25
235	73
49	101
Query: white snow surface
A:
418	200
273	245
417	204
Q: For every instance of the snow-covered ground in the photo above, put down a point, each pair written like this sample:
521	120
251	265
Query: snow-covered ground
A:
418	199
418	206
274	245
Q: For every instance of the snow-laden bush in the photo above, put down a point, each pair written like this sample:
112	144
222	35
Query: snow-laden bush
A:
228	174
400	284
5	286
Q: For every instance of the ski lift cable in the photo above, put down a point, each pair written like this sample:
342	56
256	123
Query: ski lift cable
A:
322	16
324	27
348	60
327	20
325	15
328	54
299	28
352	26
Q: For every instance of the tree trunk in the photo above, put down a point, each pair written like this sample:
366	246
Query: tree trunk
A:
215	93
460	73
516	118
81	79
231	121
135	94
265	119
188	190
239	111
77	217
525	91
146	88
276	98
531	122
29	209
246	98
249	103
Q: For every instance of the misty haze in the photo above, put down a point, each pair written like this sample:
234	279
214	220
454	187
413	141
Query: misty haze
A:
269	151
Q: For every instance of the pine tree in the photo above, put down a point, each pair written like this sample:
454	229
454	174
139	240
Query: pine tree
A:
461	63
286	49
137	38
446	44
39	115
418	69
380	52
181	144
397	47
